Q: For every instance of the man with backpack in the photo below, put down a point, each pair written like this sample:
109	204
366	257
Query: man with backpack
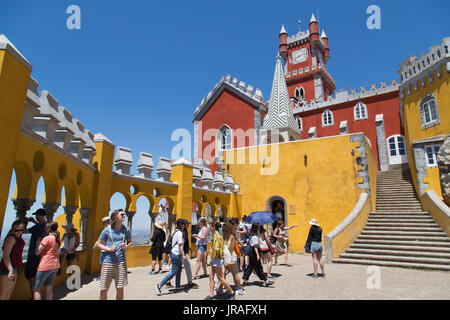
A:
176	241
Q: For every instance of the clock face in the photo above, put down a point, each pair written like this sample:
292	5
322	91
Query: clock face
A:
299	56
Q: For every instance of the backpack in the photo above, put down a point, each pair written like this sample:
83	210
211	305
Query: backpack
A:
272	239
169	246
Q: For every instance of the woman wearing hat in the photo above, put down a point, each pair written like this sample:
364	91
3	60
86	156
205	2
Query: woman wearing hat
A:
71	241
315	238
158	239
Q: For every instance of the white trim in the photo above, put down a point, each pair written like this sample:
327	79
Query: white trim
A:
361	107
327	111
300	125
433	154
397	158
425	101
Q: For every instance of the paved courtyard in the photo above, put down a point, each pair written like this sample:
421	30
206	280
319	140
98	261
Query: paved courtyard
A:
342	281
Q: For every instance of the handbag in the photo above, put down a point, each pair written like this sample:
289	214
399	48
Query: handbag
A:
272	250
227	256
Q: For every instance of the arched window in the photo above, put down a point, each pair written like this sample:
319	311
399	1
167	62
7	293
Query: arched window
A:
299	122
224	138
360	111
429	115
302	94
327	118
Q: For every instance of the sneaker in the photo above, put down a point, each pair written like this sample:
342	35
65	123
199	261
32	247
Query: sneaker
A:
193	286
232	296
152	272
267	283
239	292
160	271
315	276
168	284
158	289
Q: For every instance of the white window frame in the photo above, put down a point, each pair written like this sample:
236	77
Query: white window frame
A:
359	107
434	153
327	113
219	144
425	110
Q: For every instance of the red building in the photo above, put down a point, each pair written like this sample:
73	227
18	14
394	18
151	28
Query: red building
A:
233	108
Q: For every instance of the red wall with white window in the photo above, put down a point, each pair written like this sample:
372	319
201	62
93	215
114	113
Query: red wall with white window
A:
228	109
386	104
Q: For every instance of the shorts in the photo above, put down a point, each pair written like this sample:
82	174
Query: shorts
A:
157	255
45	278
5	271
31	267
246	250
116	271
217	262
201	247
316	247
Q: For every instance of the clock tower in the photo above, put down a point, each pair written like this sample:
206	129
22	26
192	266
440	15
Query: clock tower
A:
305	56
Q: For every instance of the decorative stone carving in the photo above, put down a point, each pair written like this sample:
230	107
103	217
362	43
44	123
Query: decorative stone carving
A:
123	160
145	165
70	211
22	206
84	212
207	179
443	161
50	209
164	169
218	181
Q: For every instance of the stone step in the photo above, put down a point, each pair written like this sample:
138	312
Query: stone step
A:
413	212
402	224
394	264
400	242
404	237
395	258
403	253
399	220
404	233
428	248
407	228
384	203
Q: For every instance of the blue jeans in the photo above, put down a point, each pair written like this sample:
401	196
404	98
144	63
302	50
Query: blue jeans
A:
176	271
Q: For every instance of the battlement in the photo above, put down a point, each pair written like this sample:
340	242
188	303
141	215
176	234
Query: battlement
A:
298	38
123	162
241	86
413	66
344	96
45	117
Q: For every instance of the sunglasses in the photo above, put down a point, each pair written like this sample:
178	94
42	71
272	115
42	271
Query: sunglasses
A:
122	214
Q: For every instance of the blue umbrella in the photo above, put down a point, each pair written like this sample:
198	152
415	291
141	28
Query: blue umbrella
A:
261	217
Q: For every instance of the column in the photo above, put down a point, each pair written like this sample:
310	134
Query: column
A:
22	206
84	212
50	209
153	216
70	211
130	215
381	143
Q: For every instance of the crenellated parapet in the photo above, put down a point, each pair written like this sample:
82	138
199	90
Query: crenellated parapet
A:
54	124
343	95
413	71
246	90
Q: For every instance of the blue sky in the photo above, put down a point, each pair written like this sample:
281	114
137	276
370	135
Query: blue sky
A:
137	69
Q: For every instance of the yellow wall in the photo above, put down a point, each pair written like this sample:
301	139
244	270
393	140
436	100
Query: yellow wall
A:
440	88
14	78
326	188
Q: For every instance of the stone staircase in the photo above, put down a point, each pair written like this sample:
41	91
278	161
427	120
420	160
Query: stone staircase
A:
399	233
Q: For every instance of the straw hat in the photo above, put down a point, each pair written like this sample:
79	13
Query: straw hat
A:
159	225
313	222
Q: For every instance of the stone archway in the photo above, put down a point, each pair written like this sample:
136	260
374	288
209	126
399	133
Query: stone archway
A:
271	205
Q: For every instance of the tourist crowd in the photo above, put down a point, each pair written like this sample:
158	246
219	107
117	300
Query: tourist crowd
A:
230	247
